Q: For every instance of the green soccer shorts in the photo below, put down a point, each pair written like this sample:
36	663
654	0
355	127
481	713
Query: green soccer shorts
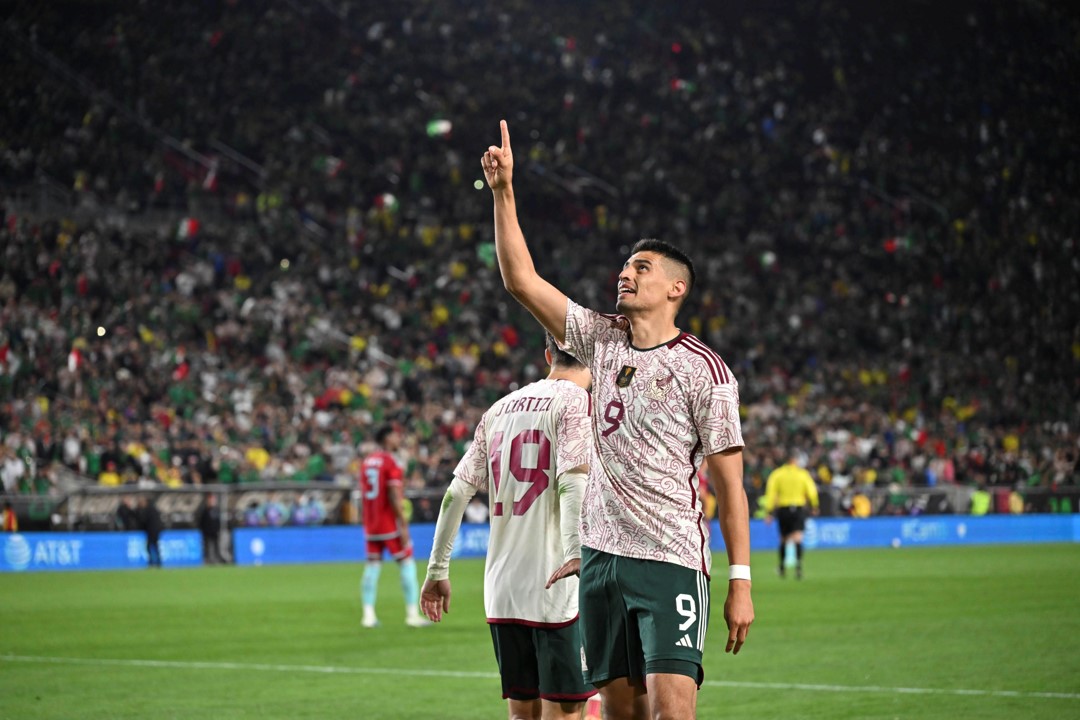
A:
640	617
540	662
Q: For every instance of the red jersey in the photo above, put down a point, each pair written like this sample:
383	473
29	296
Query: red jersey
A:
377	474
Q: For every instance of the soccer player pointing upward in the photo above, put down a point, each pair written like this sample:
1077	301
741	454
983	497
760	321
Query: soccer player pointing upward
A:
663	402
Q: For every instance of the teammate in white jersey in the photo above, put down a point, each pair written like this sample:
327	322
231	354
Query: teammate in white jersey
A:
664	403
530	453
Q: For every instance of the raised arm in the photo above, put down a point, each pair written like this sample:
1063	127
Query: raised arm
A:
541	298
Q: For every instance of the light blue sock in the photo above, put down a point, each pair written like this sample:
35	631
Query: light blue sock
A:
409	585
369	586
789	554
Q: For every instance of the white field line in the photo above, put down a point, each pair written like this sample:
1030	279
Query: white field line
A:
264	667
338	670
892	690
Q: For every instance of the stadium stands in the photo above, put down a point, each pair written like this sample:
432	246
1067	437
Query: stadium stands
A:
238	234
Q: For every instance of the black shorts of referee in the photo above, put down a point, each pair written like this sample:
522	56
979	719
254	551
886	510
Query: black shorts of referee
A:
791	519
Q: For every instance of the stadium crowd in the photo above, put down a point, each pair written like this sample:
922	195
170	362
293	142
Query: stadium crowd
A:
882	204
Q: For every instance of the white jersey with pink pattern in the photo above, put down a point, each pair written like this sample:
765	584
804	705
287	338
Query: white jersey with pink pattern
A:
523	445
658	413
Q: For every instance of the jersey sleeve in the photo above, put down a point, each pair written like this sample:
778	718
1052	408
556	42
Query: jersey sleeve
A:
584	327
811	489
573	431
446	527
716	415
571	489
770	492
393	473
473	466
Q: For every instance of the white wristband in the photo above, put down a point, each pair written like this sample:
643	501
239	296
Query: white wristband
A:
738	572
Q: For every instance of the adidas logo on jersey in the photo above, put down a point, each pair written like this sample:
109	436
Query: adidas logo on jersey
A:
684	641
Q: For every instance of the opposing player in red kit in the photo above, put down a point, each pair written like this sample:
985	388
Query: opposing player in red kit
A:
386	527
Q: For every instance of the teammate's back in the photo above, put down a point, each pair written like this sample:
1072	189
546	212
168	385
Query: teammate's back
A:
528	435
530	453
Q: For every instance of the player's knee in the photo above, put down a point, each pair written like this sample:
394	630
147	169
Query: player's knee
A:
623	700
562	710
621	712
526	710
673	709
672	697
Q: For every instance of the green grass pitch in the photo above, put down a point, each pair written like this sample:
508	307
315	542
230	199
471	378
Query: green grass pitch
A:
987	632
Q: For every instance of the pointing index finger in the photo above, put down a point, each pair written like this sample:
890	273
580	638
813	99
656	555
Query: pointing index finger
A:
505	135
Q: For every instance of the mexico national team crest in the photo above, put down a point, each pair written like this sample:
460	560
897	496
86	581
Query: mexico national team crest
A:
625	376
657	387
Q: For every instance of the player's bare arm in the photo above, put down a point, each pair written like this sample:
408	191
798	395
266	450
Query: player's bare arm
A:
726	469
541	298
397	502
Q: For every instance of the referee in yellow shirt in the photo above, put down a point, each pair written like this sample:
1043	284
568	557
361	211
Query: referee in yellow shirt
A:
788	491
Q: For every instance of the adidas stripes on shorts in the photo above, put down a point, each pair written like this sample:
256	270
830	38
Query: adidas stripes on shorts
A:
639	617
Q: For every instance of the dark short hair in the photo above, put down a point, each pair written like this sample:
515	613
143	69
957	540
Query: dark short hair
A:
382	432
559	357
669	251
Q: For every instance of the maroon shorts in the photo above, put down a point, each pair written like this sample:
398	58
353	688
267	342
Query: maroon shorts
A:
393	546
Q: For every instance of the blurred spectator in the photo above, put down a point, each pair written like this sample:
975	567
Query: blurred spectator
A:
151	524
127	517
209	523
12	470
10	521
476	511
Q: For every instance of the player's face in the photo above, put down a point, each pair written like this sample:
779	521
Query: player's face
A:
643	283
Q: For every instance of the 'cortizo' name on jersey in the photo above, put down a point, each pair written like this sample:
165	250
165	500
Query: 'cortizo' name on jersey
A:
525	404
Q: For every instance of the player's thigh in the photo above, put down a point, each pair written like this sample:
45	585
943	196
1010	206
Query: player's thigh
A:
375	550
515	653
609	638
671	605
558	656
398	550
